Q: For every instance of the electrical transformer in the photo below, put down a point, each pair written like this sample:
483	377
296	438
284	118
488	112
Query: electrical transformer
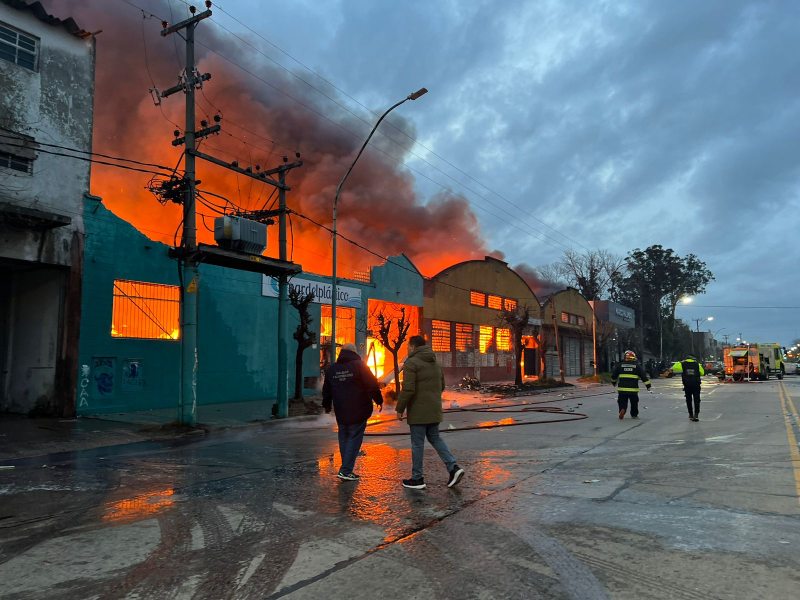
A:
241	235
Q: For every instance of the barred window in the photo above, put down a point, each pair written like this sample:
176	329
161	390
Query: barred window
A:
17	47
485	338
18	163
495	302
477	298
509	304
564	317
503	339
345	325
440	336
145	310
463	337
581	321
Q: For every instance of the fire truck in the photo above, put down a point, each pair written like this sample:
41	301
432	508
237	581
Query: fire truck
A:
754	361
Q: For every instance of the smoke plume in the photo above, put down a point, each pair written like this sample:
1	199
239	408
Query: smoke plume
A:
266	114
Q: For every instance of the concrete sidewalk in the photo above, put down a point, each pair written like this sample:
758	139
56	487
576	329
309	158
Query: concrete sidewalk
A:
23	437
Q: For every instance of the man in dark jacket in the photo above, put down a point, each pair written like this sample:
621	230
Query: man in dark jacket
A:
625	378
350	387
690	371
423	384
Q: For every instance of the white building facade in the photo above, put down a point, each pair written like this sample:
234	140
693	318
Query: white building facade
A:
46	107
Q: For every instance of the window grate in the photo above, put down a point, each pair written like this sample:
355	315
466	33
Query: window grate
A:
17	163
440	336
477	298
485	338
464	337
503	339
145	310
495	302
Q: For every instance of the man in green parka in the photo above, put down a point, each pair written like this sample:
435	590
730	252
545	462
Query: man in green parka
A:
421	396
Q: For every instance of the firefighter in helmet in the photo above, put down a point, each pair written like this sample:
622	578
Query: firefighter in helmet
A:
625	378
690	371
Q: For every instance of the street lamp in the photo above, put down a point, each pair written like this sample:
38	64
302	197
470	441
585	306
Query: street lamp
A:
334	288
697	322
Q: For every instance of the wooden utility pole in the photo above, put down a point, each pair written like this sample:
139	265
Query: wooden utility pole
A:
190	281
187	405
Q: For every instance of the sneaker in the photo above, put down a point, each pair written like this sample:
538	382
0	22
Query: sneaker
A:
455	476
621	415
696	418
414	484
634	416
347	476
691	417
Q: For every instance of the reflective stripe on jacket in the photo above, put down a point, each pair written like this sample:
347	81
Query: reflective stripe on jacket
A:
626	376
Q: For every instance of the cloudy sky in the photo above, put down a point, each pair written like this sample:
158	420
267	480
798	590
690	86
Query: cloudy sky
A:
563	124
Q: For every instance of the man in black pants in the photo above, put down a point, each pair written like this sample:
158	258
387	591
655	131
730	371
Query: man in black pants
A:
690	371
627	374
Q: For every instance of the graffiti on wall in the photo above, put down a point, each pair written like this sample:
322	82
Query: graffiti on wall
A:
103	368
132	375
83	395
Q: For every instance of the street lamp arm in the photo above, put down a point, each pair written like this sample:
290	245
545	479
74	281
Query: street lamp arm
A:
363	146
334	289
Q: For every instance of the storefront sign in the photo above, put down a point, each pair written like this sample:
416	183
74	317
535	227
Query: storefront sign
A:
323	292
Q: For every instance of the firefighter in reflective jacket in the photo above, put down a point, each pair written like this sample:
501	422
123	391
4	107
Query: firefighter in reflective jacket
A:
690	371
625	377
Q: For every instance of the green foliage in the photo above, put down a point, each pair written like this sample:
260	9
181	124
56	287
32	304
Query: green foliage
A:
654	281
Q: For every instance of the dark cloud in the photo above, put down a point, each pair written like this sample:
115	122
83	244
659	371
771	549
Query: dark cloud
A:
621	124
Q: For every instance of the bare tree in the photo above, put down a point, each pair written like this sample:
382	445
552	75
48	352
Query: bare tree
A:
591	272
517	321
393	343
303	334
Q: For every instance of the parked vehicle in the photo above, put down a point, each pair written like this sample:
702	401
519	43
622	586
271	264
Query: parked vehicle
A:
713	367
754	361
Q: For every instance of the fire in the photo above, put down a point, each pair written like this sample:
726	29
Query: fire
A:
379	359
376	357
378	207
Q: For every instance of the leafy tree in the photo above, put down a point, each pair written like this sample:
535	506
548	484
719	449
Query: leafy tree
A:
517	321
654	280
303	334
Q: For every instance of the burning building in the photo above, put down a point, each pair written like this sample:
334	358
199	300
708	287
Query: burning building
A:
463	319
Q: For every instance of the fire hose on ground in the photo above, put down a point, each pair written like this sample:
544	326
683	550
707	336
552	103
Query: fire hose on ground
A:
503	409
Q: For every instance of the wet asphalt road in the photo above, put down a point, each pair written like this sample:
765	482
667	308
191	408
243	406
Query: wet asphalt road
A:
594	508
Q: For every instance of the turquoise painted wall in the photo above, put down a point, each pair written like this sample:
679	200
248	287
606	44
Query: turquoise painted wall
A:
115	250
237	326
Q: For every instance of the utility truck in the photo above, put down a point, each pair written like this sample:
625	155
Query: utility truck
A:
754	361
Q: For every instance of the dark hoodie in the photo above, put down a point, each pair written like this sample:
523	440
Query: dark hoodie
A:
352	387
423	384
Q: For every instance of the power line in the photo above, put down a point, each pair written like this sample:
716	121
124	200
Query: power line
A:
543	237
78	151
741	306
341	91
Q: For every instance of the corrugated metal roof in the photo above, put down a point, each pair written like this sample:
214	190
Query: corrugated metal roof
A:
40	13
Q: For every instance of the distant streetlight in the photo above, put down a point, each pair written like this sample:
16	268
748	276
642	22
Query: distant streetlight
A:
334	288
698	321
686	300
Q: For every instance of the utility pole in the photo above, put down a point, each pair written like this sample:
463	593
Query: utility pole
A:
190	81
283	307
187	405
726	336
